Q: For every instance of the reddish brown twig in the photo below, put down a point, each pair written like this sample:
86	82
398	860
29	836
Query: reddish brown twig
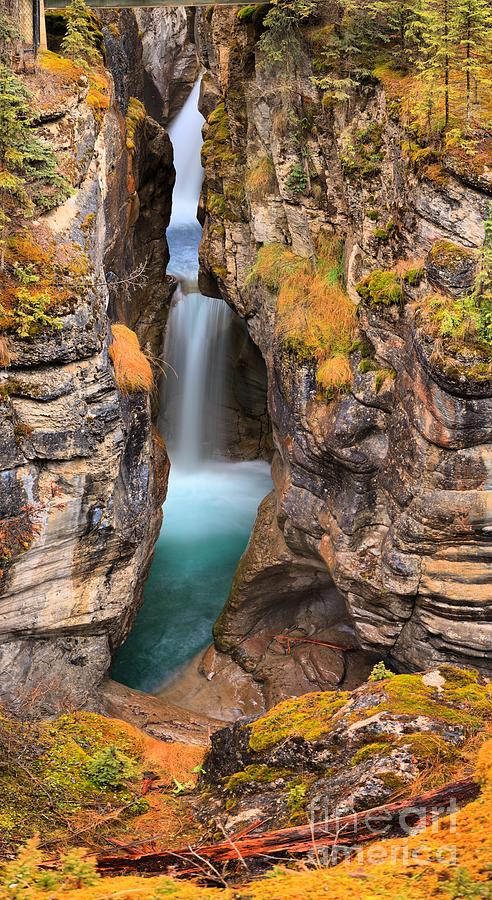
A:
301	640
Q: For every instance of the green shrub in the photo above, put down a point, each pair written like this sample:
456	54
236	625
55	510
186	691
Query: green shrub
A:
110	768
297	181
30	314
380	672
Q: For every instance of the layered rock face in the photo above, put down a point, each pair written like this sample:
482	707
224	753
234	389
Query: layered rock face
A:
84	472
381	514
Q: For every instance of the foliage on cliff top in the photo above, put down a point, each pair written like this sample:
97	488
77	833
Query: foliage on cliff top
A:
80	41
78	779
132	369
316	320
450	859
30	182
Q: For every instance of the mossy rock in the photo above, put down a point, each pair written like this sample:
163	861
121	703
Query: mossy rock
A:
253	775
308	717
381	288
451	268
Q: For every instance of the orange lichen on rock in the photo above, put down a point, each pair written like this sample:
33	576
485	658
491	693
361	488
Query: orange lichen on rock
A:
132	369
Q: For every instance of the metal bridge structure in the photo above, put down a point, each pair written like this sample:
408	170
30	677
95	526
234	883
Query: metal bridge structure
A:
129	4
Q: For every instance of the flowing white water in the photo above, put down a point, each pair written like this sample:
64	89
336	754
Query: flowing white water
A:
211	503
186	137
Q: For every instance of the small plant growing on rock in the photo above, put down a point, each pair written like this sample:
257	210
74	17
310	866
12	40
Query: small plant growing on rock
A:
132	369
297	181
110	768
380	288
30	314
380	672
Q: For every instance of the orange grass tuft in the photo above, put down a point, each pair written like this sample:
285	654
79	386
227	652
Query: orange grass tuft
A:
4	352
260	180
315	317
334	372
132	369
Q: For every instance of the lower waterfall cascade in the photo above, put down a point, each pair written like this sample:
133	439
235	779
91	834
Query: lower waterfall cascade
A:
212	501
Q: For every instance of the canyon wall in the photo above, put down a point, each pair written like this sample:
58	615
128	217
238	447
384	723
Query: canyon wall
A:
84	471
379	525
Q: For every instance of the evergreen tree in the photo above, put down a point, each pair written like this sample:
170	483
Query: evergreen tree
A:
396	20
472	39
15	119
80	42
434	26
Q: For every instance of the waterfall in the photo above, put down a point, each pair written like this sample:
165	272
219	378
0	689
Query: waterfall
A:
194	354
211	503
198	327
185	134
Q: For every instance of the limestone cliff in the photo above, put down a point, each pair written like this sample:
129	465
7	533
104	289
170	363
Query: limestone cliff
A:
380	487
83	470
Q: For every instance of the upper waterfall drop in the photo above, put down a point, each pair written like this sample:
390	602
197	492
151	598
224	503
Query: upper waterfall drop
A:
185	132
198	329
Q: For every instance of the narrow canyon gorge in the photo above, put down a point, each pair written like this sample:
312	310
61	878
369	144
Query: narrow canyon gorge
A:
246	391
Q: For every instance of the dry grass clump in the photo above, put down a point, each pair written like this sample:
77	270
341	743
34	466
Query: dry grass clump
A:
260	180
316	320
132	369
135	117
4	352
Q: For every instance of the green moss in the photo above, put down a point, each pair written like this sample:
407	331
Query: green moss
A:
367	365
254	775
216	204
246	13
372	214
135	118
362	346
466	703
383	376
447	255
393	782
384	233
413	277
369	752
381	287
217	152
308	717
220	272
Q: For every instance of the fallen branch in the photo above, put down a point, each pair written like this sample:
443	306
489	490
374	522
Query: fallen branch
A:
394	819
